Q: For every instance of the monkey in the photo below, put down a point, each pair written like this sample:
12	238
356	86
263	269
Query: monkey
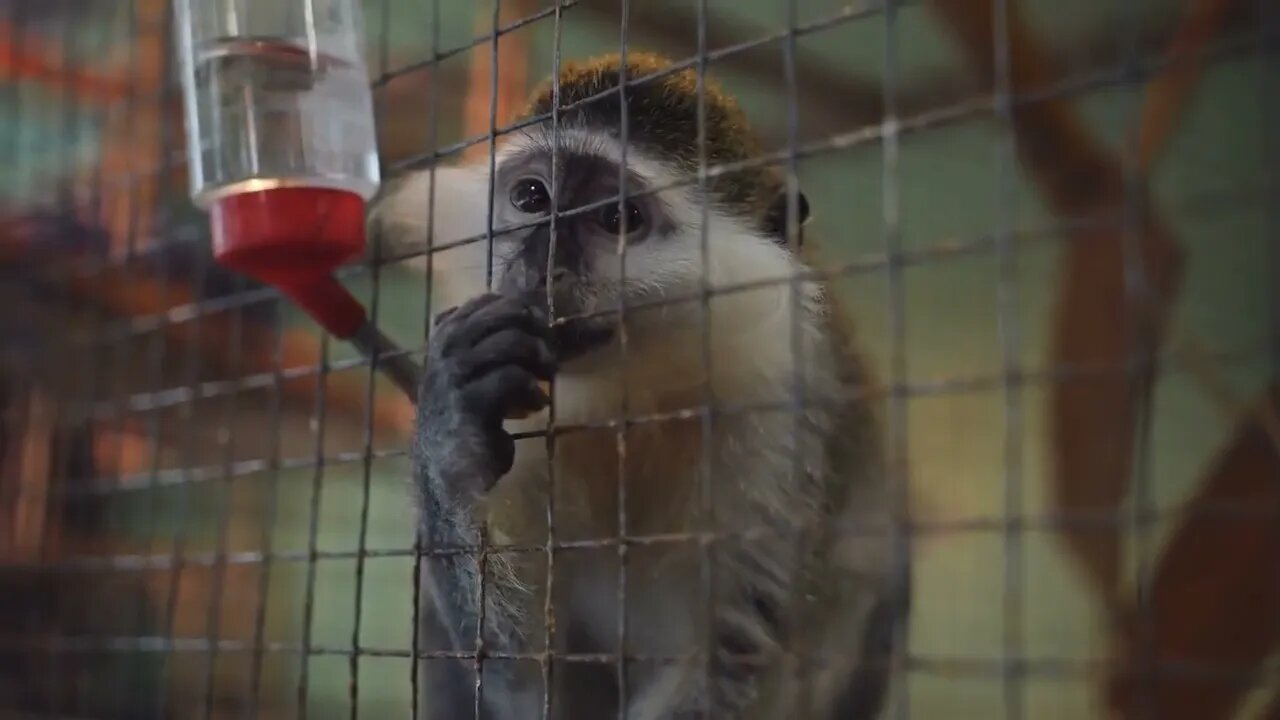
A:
742	560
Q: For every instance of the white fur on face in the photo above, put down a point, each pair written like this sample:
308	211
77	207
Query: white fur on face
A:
750	329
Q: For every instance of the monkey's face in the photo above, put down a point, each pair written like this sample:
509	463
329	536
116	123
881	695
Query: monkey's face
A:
650	256
617	238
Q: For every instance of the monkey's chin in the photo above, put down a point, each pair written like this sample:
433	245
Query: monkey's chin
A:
579	337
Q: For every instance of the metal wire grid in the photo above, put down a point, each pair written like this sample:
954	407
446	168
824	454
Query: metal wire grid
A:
1269	79
1004	241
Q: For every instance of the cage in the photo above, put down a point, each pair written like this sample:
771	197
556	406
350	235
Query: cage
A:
1055	228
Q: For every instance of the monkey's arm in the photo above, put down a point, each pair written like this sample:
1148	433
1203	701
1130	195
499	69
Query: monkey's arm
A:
483	364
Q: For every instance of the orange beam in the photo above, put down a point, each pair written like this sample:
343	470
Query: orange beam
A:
1216	588
24	486
1100	323
25	61
513	74
129	166
1167	95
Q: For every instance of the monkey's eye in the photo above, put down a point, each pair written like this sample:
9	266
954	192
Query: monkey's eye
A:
530	196
611	218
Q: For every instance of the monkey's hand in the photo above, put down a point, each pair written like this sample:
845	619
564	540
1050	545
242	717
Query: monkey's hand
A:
484	361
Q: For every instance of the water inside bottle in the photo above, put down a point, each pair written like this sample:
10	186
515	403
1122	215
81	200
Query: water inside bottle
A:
273	114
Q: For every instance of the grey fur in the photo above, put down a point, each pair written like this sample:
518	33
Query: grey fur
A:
483	363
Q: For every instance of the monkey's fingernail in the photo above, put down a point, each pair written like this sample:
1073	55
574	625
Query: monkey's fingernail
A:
520	413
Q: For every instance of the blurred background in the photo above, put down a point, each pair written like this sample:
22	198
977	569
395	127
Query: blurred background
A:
1056	229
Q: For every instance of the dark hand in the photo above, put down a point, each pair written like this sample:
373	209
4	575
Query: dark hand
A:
483	363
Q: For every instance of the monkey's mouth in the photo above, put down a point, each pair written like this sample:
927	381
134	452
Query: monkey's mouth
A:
576	337
577	331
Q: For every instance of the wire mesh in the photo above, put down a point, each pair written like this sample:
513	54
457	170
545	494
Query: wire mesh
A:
218	490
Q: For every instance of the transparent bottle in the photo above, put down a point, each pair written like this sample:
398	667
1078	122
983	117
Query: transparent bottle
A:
281	141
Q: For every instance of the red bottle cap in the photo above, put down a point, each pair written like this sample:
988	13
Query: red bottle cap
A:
294	238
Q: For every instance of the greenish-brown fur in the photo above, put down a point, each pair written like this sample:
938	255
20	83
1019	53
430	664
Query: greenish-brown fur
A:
663	117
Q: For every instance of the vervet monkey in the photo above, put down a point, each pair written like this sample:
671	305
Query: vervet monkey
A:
778	602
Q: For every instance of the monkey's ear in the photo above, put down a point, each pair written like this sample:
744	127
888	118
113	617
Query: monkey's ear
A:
775	219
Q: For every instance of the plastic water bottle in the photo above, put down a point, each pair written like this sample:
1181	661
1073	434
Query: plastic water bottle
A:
281	142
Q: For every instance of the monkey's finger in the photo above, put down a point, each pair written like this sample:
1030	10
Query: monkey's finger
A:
545	387
463	311
444	315
508	391
508	346
507	306
446	323
496	316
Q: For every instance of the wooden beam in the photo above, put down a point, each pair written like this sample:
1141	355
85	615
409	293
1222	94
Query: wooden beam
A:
24	484
1102	322
1167	95
502	98
131	141
1215	590
28	60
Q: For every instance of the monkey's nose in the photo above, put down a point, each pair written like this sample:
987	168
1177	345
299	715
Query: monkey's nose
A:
560	301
